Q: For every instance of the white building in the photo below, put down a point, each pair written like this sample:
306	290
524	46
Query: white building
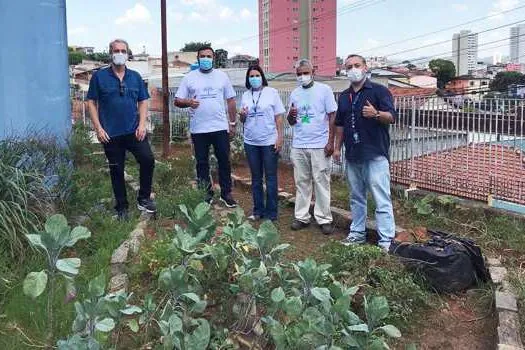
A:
517	44
465	52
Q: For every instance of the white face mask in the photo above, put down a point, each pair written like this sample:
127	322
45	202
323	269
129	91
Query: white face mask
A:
304	80
119	58
355	75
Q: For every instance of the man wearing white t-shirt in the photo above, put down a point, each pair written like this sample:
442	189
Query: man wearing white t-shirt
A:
204	91
311	113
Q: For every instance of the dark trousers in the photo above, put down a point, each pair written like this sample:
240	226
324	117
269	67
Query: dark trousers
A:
263	162
220	141
116	154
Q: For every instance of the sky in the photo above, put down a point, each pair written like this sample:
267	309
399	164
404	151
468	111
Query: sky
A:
368	27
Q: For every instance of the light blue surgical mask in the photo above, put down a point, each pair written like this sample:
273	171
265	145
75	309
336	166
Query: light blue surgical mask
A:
255	82
205	63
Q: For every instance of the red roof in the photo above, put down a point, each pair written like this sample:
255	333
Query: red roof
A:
473	172
416	91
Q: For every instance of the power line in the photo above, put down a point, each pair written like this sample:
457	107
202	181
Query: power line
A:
443	29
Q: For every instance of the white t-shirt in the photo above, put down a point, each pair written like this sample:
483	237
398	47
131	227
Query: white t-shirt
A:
210	89
313	105
263	105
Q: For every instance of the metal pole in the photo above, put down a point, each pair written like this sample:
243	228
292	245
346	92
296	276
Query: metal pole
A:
165	91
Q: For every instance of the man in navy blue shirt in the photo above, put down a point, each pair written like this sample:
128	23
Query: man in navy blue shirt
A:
117	102
365	111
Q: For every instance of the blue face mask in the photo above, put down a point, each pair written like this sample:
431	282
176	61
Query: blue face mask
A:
255	82
205	63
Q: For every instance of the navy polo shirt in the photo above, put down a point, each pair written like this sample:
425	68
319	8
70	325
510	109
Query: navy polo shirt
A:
117	103
373	139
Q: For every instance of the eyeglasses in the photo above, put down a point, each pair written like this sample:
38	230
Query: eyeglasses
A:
122	87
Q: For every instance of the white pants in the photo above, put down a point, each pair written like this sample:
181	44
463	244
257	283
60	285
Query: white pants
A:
311	167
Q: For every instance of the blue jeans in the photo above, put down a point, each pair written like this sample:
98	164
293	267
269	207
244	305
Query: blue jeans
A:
263	161
374	176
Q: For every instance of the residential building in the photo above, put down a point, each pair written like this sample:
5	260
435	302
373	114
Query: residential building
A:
513	67
241	61
517	44
290	30
88	50
469	86
376	61
465	52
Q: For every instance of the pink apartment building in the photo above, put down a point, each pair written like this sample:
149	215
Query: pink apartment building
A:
294	29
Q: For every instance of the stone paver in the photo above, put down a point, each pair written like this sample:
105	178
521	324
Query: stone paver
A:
506	302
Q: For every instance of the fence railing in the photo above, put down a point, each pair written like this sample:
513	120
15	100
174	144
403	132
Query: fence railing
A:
471	149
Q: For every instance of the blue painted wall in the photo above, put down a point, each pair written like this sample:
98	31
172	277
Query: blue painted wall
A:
34	78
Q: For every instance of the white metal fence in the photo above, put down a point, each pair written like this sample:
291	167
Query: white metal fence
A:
470	149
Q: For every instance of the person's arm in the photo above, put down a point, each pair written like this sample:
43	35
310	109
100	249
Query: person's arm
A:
385	111
92	103
339	131
143	115
330	107
143	96
182	99
232	114
280	132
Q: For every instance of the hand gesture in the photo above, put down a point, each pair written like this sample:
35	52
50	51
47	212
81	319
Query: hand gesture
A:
292	115
102	135
243	113
193	102
369	111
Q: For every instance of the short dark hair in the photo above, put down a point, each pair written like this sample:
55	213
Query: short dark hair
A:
260	70
203	48
358	56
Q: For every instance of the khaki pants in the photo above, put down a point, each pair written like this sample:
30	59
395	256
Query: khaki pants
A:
311	167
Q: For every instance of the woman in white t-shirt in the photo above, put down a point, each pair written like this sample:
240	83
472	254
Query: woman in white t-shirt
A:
261	113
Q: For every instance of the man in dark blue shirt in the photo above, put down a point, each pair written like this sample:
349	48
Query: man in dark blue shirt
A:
117	102
365	111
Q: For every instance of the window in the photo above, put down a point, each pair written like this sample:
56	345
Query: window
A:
471	83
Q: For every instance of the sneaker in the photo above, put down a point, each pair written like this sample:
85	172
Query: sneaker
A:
348	241
147	205
327	229
254	217
209	198
122	215
229	201
298	225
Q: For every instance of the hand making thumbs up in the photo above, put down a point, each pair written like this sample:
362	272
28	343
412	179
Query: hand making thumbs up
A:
369	111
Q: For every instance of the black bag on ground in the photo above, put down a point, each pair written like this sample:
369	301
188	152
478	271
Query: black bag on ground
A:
449	263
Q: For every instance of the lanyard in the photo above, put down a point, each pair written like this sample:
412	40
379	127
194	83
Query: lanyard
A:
354	102
255	104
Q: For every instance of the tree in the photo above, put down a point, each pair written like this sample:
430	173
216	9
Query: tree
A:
411	66
76	57
339	61
221	58
194	46
100	57
444	70
502	80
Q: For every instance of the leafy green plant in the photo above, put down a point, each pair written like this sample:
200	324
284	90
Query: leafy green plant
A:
98	315
158	254
52	241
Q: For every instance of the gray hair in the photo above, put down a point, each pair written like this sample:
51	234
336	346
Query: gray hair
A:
353	55
303	62
122	41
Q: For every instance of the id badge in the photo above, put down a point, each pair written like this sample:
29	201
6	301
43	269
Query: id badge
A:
356	137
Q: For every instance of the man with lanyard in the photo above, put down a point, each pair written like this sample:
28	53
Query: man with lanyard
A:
312	114
204	91
365	112
117	103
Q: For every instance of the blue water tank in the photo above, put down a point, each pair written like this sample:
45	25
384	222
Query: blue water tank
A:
34	74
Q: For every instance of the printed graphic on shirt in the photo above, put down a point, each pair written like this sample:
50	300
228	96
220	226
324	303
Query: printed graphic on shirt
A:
207	93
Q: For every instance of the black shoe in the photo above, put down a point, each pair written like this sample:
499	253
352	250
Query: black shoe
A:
122	215
327	229
147	205
298	225
229	201
209	198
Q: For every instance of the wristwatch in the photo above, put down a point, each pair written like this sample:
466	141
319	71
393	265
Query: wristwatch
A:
233	123
378	114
